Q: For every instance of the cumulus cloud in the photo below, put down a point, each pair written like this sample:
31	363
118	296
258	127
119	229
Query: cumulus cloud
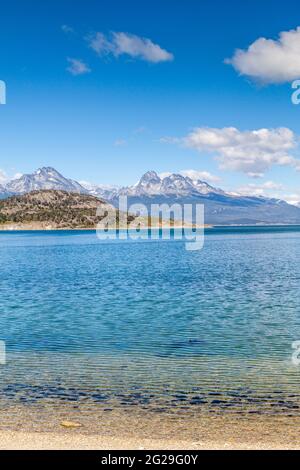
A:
119	43
196	175
269	189
77	67
260	189
16	176
251	152
293	199
269	60
67	29
3	177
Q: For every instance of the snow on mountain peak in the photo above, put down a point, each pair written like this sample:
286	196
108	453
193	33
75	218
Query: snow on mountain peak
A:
151	177
171	183
43	178
150	184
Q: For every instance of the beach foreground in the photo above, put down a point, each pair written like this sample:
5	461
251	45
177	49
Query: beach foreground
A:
135	432
50	441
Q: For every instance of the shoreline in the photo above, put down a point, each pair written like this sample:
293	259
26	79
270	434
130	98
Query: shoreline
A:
200	433
10	440
89	229
10	229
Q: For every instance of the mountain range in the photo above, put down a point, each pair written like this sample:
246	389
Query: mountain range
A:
220	207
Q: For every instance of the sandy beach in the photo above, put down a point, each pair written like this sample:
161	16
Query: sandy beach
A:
27	428
49	441
73	440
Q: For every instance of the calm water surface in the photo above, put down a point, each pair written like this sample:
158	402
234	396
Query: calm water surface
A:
149	324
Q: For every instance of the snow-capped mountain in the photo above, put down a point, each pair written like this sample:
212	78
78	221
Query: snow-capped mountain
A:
103	191
150	184
220	207
43	178
176	185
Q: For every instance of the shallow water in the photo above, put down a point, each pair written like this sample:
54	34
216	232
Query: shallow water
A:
148	324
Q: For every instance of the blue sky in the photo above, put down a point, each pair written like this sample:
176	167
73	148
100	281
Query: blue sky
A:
105	107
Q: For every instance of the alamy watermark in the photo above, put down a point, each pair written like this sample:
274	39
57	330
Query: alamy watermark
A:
2	353
157	221
296	353
2	92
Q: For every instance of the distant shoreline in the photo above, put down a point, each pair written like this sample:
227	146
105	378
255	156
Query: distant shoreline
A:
29	228
26	228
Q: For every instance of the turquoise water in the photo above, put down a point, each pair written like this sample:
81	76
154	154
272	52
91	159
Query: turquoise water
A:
147	323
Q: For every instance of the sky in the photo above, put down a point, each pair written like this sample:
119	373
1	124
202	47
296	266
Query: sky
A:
106	90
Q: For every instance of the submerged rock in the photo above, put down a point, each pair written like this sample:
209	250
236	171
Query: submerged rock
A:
70	424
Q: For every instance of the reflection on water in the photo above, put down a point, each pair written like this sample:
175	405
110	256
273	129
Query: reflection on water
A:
149	324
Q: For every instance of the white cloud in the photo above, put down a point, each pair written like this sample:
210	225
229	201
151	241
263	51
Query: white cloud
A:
293	199
201	175
120	43
260	189
120	142
3	177
164	174
77	67
17	176
67	29
194	175
269	189
140	130
270	61
251	152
